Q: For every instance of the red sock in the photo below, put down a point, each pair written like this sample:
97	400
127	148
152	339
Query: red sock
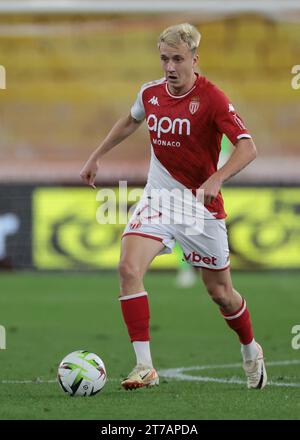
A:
136	314
240	322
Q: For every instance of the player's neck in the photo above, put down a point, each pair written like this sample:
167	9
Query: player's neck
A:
184	89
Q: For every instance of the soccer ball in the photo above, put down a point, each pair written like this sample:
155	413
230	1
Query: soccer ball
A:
81	373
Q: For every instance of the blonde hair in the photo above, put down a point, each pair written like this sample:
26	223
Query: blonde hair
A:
181	33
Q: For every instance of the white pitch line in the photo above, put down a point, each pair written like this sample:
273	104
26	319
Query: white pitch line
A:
38	381
235	365
179	374
232	380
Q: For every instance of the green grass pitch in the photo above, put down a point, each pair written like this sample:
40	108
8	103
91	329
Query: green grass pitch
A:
48	316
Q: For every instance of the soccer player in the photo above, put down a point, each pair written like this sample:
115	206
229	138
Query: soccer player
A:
186	116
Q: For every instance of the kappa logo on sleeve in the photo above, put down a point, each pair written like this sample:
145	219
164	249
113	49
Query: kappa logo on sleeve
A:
154	100
231	108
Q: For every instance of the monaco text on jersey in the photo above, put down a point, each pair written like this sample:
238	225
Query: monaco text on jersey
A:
164	143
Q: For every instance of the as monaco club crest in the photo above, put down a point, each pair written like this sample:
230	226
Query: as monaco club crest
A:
194	104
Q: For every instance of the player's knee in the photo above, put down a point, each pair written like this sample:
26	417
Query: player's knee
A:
129	272
220	294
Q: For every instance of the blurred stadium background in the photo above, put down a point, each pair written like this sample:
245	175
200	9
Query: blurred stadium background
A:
73	68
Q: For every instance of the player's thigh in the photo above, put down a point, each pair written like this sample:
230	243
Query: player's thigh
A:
137	252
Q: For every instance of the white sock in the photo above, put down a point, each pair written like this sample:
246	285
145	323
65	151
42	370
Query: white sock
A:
249	351
142	352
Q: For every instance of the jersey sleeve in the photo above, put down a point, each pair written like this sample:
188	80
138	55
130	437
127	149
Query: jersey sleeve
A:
225	117
138	109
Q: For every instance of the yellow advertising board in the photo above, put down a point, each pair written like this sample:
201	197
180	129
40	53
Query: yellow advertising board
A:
67	235
263	229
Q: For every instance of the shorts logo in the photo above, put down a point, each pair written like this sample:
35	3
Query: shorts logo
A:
142	216
135	224
194	105
197	258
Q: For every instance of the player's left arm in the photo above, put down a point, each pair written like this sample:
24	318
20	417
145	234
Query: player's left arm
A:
226	120
244	153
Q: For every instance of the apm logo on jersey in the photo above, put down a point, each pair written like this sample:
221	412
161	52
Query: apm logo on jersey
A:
165	125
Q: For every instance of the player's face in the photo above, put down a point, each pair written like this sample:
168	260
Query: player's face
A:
178	64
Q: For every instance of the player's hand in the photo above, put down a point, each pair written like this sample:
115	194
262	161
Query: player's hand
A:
211	188
89	172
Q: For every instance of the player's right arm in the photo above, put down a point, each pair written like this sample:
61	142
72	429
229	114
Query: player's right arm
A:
123	128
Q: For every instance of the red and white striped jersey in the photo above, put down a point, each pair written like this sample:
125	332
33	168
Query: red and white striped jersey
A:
186	133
